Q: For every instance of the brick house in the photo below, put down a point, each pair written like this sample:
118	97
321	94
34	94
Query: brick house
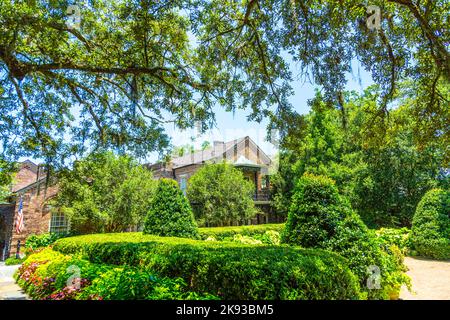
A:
32	189
243	153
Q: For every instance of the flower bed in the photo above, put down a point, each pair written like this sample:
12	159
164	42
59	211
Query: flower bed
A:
50	275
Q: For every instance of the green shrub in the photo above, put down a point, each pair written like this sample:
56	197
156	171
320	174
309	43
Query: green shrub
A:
227	233
366	254
221	195
45	275
270	237
430	232
34	242
131	283
315	213
104	192
12	261
246	239
170	213
320	218
393	236
225	269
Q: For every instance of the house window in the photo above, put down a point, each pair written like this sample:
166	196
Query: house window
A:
264	182
58	223
183	184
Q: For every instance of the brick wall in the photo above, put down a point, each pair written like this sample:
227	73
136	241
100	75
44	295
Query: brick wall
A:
36	216
187	171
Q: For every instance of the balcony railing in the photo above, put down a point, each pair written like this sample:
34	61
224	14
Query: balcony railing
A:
261	195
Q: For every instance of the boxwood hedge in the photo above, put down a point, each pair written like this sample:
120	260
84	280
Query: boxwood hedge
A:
225	269
430	232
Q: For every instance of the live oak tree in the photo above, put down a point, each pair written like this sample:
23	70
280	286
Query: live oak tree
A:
134	65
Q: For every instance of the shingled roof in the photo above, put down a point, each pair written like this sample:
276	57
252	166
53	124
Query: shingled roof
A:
215	153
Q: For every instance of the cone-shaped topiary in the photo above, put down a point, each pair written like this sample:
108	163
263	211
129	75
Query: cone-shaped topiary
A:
315	212
430	232
170	213
320	218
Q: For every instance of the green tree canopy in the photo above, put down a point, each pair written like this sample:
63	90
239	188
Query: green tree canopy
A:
382	168
105	193
7	170
220	195
133	65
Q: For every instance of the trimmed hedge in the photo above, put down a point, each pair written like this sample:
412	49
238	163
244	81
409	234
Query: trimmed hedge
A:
225	269
430	232
222	233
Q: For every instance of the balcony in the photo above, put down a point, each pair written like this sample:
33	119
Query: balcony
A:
261	197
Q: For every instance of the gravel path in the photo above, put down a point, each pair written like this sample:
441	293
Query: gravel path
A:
430	279
9	290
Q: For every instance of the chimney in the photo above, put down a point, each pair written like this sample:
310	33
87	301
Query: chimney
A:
217	145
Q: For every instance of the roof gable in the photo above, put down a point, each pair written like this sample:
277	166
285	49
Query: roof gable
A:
218	152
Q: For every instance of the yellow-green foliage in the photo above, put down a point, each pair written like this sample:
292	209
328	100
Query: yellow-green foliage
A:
221	233
399	237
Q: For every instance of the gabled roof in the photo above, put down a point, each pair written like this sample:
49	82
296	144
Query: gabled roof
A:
215	153
36	169
30	165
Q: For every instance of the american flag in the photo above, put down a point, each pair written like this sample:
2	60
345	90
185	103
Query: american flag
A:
19	221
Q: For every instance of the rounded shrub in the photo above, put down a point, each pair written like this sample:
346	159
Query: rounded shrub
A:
35	242
320	218
170	213
430	232
315	212
221	195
